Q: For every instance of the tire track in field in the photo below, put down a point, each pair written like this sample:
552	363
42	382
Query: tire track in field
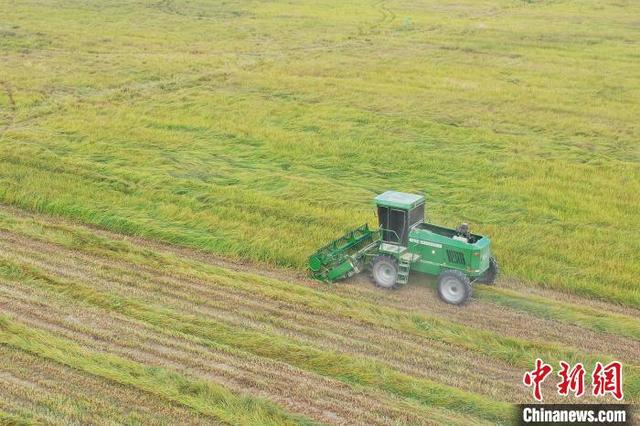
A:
169	7
327	399
411	354
387	15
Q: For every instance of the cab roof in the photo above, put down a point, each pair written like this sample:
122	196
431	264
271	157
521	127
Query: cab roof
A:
399	200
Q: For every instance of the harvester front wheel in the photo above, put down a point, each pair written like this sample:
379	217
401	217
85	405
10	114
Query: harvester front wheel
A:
384	271
490	275
454	287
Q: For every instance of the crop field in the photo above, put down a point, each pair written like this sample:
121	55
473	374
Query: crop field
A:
99	327
166	167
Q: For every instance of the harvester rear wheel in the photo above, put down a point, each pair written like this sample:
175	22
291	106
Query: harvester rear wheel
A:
490	275
384	271
454	287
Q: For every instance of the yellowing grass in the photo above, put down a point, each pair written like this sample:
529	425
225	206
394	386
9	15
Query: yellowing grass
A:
261	130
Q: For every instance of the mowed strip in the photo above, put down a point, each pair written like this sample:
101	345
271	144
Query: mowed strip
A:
202	397
44	391
453	364
102	330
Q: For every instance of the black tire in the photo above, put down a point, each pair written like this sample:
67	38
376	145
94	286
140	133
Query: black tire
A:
490	275
384	271
454	287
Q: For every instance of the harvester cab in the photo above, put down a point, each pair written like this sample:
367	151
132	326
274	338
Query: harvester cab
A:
404	243
397	213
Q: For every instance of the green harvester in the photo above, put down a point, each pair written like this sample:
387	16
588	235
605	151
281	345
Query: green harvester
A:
404	242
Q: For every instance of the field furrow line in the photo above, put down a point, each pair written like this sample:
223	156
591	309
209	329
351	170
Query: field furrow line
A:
11	115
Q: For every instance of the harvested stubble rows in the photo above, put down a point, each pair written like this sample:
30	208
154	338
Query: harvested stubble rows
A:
156	333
